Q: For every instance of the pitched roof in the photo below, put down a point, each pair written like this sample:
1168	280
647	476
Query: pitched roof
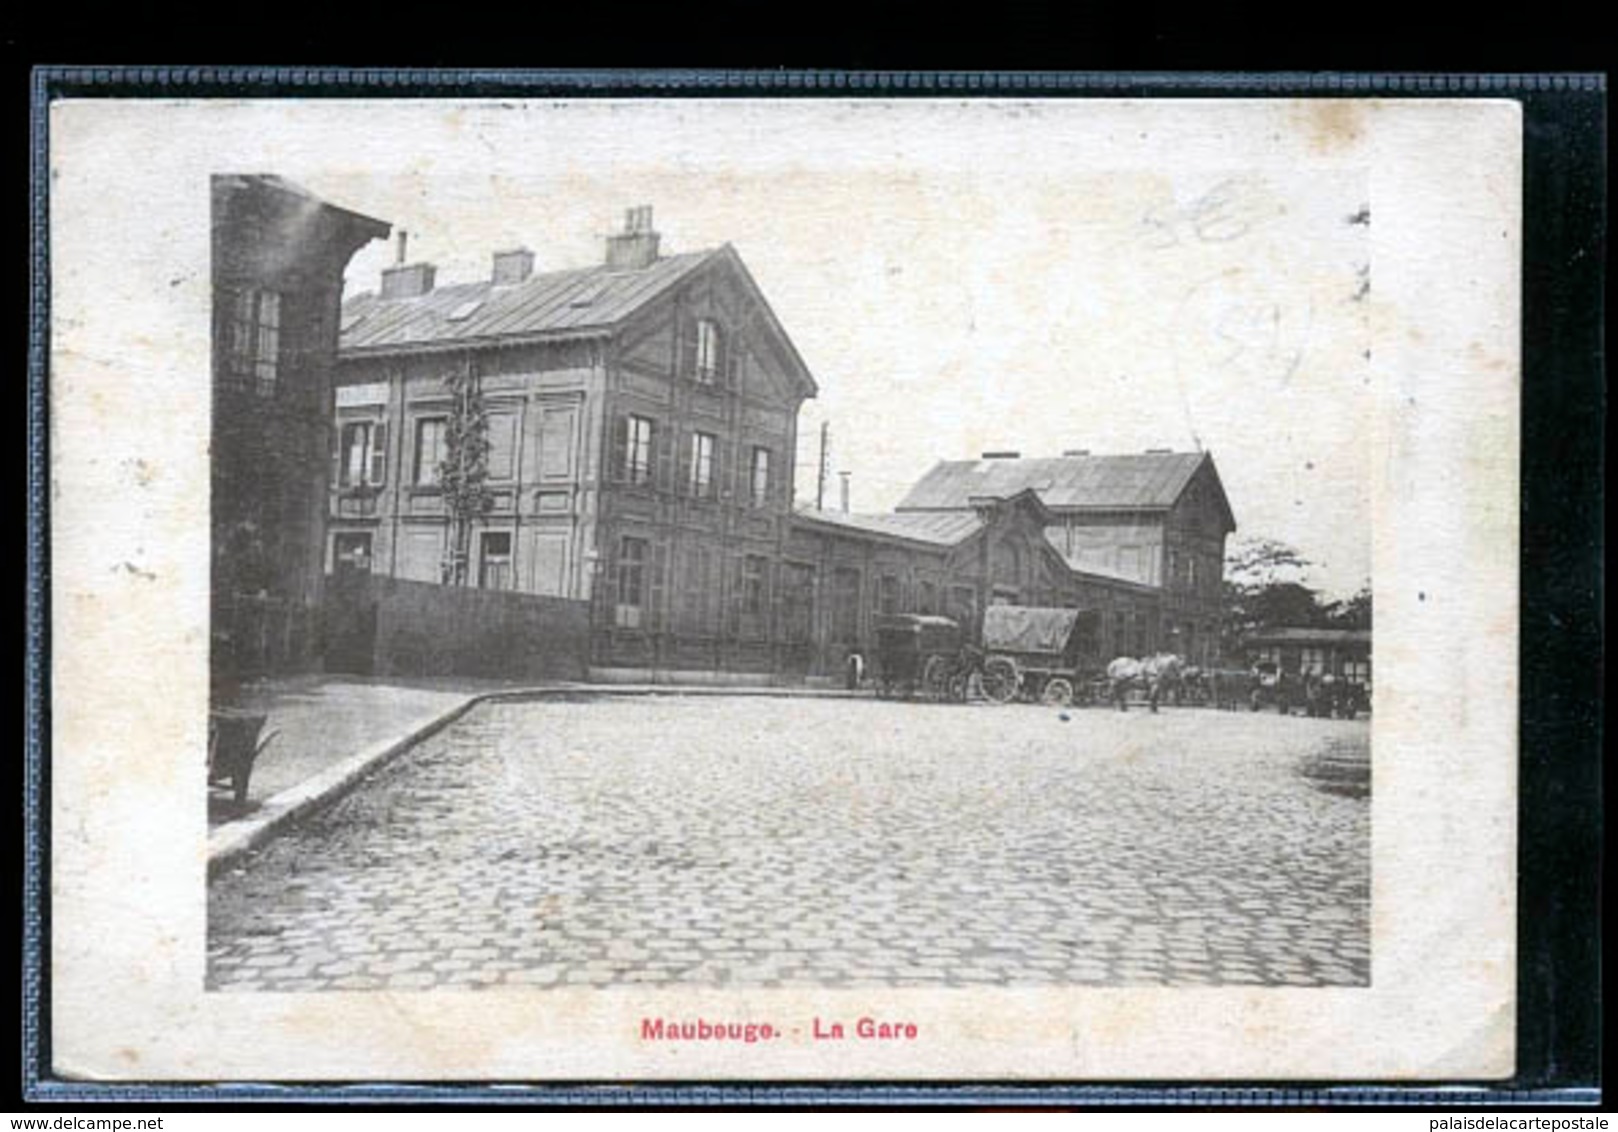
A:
552	304
937	529
1145	481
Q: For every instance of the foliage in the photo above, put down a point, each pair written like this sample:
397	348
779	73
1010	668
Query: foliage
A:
1266	587
463	474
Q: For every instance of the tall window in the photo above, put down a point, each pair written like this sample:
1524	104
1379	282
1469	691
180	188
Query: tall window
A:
631	582
1314	659
887	595
363	448
430	449
494	560
253	355
753	567
701	478
708	350
963	604
638	450
761	477
797	602
696	608
502	445
846	604
926	598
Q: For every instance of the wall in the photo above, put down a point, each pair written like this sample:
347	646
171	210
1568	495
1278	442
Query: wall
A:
389	627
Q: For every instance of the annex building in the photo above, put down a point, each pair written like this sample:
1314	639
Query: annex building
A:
642	419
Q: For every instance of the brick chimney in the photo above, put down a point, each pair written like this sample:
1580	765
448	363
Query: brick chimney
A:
636	246
512	265
406	280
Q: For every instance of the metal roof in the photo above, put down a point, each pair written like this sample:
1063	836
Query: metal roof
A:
1300	635
560	303
946	529
1148	481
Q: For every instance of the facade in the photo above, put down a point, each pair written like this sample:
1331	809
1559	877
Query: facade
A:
643	429
1156	520
642	421
955	563
277	276
1322	652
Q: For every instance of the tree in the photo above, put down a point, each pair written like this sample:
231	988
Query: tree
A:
463	474
1351	612
1264	588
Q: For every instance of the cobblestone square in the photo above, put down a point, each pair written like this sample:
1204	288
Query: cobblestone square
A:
718	841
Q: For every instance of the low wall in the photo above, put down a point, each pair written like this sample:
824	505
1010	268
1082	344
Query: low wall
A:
389	627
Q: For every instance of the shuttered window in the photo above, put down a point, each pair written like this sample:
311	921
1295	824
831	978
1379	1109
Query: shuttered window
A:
363	454
760	485
631	596
253	339
709	364
634	440
700	474
430	449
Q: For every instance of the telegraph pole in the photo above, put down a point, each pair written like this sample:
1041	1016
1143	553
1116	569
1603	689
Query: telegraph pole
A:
825	465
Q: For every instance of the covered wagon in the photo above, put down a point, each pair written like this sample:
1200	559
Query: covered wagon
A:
1047	655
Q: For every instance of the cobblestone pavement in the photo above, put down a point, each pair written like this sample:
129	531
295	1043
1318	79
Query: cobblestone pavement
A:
720	841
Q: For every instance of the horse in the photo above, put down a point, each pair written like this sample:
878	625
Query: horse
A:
1157	674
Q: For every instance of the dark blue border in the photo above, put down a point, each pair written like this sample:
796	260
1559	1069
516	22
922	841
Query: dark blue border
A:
1557	1068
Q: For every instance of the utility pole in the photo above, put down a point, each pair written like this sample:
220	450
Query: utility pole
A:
825	465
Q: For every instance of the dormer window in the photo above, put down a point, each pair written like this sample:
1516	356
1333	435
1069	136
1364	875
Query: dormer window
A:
708	351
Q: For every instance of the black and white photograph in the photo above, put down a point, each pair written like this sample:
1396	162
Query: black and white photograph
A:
827	588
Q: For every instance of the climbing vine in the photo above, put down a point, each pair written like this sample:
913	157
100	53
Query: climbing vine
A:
463	474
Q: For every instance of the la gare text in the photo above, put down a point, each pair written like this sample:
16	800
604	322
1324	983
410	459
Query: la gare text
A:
748	1033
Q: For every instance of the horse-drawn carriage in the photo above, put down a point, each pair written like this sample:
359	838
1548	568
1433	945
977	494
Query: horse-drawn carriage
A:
920	654
1039	654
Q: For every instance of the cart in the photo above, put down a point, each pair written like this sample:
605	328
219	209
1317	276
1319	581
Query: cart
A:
918	654
1043	655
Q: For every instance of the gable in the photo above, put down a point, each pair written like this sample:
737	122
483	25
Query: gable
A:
722	289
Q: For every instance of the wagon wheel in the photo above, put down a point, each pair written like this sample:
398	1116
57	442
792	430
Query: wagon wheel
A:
1058	692
935	677
1000	680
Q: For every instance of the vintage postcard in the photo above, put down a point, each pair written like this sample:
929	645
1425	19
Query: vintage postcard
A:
857	590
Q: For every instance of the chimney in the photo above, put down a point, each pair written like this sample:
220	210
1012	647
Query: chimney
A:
1002	455
636	246
404	239
512	265
843	489
407	280
1159	451
1071	452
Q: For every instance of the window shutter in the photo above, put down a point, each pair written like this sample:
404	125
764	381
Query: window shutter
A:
733	369
611	580
379	453
657	568
662	457
688	351
618	458
336	434
738	579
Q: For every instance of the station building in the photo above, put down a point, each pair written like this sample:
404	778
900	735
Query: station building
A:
642	422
